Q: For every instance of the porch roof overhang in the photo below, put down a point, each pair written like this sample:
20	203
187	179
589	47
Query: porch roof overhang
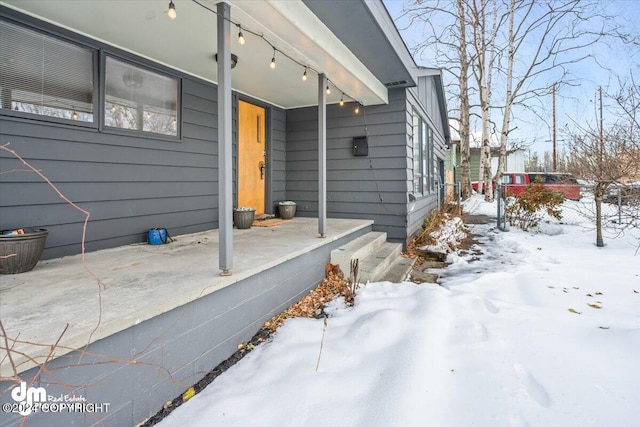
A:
354	43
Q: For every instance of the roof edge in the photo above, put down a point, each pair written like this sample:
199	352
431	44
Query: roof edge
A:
380	13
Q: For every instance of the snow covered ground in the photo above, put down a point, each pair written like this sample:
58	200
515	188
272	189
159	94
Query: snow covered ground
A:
542	330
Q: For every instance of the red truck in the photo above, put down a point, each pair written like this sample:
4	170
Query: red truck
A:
564	183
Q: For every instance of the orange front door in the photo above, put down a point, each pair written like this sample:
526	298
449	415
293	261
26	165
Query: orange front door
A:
251	156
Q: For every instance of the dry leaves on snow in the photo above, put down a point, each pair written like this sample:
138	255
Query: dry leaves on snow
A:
312	305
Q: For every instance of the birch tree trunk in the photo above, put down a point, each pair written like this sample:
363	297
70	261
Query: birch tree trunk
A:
465	152
484	44
504	133
478	23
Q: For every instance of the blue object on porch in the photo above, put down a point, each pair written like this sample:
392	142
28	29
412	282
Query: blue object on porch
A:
157	236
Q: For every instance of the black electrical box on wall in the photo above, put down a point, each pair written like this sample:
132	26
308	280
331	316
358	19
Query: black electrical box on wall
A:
360	146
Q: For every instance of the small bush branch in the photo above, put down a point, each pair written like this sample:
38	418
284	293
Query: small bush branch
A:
528	209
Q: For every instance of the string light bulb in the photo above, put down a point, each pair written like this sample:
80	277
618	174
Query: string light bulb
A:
148	115
74	115
171	13
113	108
241	39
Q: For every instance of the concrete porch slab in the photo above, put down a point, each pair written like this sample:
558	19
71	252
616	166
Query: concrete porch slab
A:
139	282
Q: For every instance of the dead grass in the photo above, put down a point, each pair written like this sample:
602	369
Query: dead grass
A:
431	224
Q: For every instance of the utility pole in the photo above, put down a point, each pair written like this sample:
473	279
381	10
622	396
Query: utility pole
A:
553	135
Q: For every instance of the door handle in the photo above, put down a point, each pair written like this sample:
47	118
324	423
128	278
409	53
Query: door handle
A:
258	129
262	168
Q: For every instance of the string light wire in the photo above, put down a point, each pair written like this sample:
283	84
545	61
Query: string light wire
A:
275	49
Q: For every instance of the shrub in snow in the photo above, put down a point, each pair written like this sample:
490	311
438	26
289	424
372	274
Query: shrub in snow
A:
526	210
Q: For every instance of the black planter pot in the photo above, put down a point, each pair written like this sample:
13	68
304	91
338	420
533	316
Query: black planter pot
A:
21	252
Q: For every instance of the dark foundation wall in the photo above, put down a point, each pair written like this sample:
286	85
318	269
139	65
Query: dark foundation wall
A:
140	368
373	187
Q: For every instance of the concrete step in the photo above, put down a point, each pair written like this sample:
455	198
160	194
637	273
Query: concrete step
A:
373	267
359	248
399	270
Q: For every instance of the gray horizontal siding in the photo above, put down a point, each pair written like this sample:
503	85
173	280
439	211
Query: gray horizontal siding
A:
355	185
128	183
278	161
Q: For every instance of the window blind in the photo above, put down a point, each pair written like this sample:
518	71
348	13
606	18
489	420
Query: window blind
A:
44	75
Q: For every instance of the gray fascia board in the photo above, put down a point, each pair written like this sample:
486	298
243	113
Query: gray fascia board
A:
381	15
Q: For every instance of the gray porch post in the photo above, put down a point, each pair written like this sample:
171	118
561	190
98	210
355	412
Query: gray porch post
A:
322	155
225	166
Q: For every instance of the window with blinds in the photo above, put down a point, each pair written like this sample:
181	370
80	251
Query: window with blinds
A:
426	157
44	75
416	143
424	160
140	99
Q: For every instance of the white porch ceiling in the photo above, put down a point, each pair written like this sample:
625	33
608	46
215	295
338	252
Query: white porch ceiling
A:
189	43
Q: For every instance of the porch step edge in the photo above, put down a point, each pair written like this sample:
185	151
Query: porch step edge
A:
399	270
359	248
374	266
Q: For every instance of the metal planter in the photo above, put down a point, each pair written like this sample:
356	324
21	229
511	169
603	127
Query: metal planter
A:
20	253
287	210
243	218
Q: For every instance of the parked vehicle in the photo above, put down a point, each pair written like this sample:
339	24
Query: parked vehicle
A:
565	183
515	182
626	195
